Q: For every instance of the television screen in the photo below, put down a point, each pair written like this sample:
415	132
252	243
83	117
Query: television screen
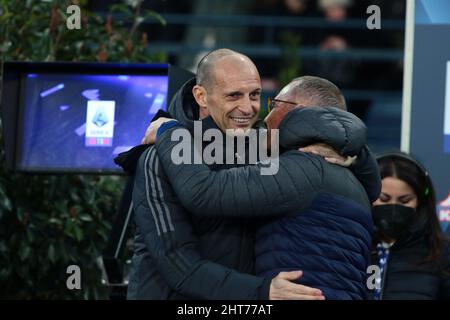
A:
80	122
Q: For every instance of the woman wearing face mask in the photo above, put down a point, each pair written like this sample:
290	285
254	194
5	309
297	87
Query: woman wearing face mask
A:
413	255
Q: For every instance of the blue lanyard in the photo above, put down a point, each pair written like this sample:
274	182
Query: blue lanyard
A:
383	256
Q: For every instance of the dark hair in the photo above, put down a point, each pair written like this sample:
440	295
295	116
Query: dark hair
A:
402	166
318	92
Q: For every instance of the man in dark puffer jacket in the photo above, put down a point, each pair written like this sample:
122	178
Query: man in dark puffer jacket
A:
177	255
327	226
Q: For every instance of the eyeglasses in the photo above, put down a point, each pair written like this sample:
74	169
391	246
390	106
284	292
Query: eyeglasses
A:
272	103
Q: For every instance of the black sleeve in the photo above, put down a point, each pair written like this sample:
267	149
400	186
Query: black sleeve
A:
170	239
243	191
444	286
366	170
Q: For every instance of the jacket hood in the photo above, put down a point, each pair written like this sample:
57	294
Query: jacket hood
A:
183	106
338	128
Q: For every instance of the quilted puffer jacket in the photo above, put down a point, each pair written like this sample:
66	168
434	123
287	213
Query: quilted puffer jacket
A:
317	214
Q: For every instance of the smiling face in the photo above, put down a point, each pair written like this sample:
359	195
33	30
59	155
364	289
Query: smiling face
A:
396	191
233	101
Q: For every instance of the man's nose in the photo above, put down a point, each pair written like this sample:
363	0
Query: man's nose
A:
247	106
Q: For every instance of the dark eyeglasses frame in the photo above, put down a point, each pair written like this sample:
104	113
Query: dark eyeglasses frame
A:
271	103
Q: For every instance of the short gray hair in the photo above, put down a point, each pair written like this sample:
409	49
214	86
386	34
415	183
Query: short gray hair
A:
318	92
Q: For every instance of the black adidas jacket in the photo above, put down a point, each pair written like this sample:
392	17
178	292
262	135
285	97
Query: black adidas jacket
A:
177	255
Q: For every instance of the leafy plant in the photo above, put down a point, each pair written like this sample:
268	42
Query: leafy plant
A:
290	63
48	222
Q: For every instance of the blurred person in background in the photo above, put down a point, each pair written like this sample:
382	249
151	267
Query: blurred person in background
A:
340	71
335	10
412	253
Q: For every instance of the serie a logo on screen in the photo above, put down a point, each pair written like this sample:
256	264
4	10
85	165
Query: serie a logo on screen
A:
100	123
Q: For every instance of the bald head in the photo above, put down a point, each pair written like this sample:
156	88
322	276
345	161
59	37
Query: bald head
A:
218	59
313	91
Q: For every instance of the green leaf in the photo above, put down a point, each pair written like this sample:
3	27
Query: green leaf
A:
102	233
121	7
20	214
61	206
28	3
85	217
5	202
63	252
5	46
133	3
30	235
139	20
55	221
24	253
68	227
51	253
78	233
155	15
73	192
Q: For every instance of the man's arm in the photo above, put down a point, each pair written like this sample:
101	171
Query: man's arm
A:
364	166
170	240
366	170
242	191
172	243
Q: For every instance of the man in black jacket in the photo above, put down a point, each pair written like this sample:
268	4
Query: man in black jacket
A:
177	255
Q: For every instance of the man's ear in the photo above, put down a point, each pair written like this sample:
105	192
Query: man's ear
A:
200	96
